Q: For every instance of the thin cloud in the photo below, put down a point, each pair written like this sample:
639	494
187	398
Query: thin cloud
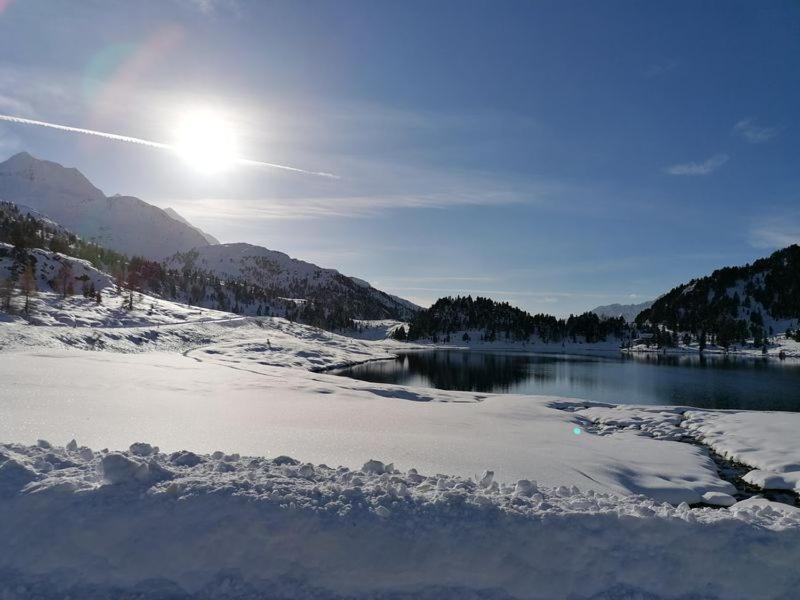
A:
755	134
775	233
331	207
702	168
659	69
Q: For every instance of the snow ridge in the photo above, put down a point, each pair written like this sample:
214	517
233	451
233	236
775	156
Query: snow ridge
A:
313	531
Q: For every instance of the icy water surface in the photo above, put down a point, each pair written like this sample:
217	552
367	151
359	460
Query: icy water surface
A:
708	382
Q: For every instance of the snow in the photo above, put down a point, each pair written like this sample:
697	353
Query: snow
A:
629	312
270	269
440	493
764	441
213	393
768	442
227	526
181	219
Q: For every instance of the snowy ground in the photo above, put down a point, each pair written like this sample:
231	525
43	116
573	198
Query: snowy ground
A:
143	524
223	526
779	347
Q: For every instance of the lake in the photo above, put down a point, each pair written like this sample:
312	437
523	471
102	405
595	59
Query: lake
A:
706	382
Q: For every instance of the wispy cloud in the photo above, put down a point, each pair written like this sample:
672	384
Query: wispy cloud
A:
775	232
337	206
659	69
748	130
698	168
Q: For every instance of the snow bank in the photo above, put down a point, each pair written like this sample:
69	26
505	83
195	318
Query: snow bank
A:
226	526
765	441
768	442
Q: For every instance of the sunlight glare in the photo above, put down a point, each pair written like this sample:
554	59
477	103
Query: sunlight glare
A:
205	140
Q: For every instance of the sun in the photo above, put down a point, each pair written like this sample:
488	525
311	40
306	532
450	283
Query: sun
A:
205	140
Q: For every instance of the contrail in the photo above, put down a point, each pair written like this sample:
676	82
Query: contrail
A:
152	144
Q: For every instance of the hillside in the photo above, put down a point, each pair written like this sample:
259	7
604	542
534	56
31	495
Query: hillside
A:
281	276
285	287
467	318
180	218
732	304
122	223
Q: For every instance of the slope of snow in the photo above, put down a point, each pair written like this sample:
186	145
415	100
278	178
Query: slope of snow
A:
273	270
626	311
123	223
763	441
178	217
47	266
148	525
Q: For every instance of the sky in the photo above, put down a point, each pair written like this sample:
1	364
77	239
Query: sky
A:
556	155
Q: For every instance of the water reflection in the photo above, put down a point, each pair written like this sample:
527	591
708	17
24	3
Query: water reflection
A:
709	381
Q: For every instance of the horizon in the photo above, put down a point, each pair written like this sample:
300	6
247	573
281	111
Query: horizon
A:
626	150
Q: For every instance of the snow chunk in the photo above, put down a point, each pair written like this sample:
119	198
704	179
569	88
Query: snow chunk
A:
184	458
115	468
376	467
718	499
142	449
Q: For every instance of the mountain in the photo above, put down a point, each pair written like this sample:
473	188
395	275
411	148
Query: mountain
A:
734	302
284	277
122	223
626	311
175	215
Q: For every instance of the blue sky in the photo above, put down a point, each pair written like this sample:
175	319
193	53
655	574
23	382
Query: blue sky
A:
558	155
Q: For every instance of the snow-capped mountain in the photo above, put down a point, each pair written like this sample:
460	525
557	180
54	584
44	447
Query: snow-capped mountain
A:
291	278
123	223
178	217
626	311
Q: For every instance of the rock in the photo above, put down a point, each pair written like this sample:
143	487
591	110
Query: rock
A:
285	460
72	446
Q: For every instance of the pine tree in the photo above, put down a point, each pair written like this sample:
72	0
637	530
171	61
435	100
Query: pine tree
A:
6	294
29	287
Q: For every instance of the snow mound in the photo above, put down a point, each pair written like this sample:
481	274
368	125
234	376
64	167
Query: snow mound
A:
268	528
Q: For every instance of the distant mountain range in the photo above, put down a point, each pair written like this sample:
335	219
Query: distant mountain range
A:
131	226
626	311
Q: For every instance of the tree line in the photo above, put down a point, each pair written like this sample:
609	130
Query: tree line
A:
492	320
